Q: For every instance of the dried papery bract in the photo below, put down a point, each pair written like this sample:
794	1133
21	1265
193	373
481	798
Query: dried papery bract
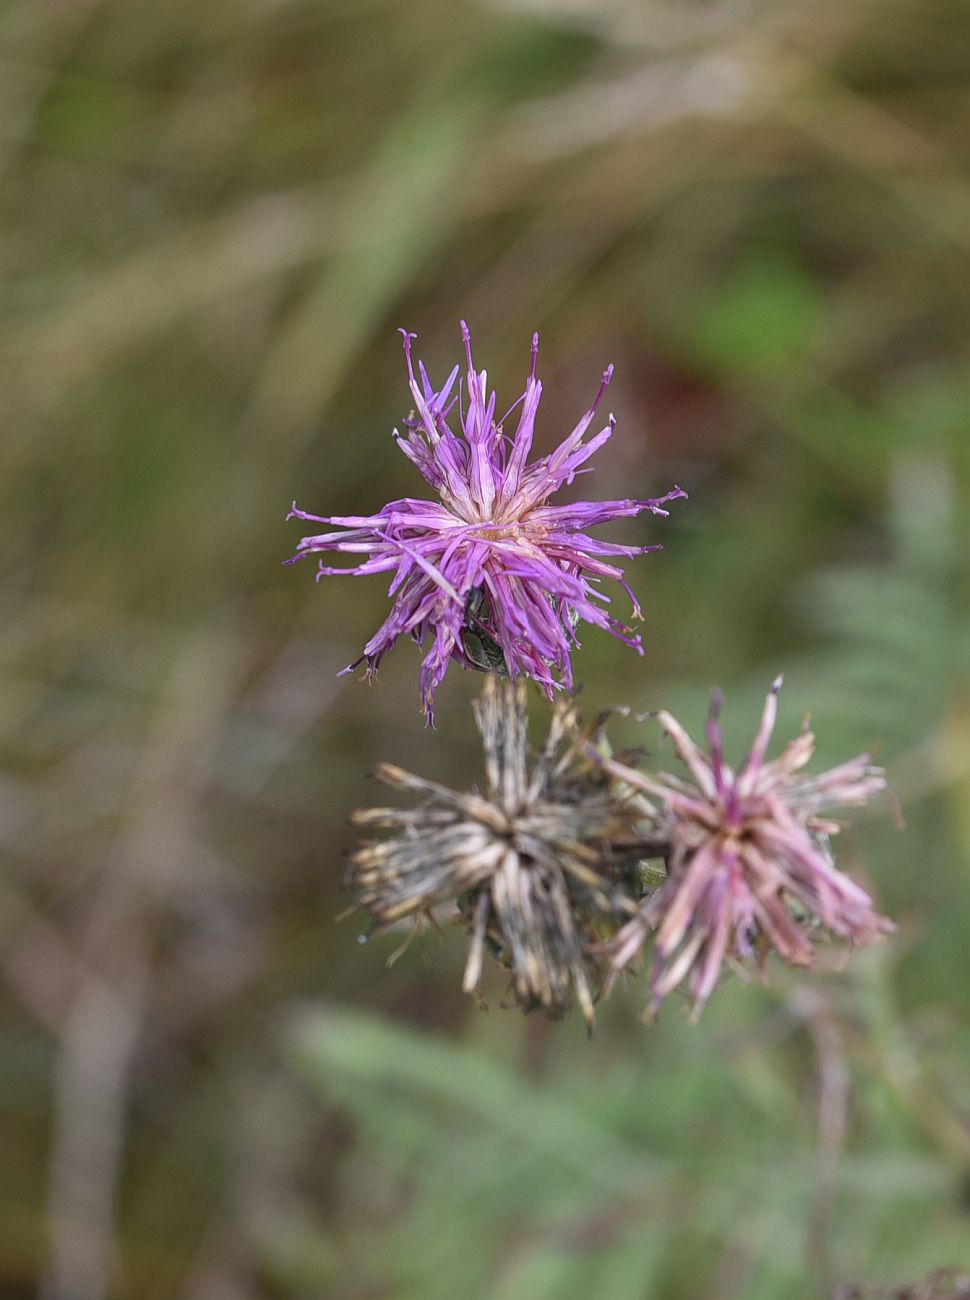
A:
749	867
539	863
490	573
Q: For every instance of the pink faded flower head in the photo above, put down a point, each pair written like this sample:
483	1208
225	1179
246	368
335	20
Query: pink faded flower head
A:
749	866
491	574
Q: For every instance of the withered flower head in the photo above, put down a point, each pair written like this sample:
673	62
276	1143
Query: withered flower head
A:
537	862
749	867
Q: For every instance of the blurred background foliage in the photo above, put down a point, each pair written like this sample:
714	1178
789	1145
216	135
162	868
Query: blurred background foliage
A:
215	215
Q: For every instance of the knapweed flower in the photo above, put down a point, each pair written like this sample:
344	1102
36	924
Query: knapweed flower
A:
540	863
749	865
491	574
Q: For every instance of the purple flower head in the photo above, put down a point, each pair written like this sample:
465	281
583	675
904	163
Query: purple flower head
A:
490	574
749	866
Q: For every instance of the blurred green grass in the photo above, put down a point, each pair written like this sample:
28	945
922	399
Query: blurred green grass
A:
215	216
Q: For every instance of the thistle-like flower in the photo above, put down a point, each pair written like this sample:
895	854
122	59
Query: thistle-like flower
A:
496	578
540	863
749	865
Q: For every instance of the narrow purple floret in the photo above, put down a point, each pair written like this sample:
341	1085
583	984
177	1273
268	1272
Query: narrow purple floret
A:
490	564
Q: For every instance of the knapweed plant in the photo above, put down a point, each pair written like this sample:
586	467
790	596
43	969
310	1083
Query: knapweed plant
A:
490	574
569	863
